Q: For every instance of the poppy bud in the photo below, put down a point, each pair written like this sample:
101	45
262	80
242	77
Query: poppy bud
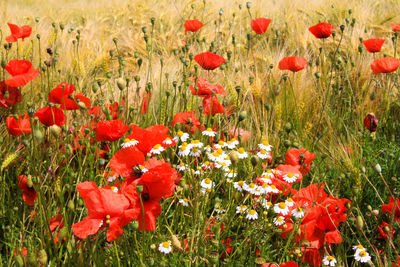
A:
333	34
139	188
359	223
29	181
55	130
248	5
234	157
288	127
3	64
371	122
153	21
63	233
108	75
369	207
38	135
144	29
386	229
287	143
139	62
378	168
248	36
254	161
43	257
38	36
251	80
121	83
375	212
71	205
19	261
342	27
317	75
135	224
229	55
32	260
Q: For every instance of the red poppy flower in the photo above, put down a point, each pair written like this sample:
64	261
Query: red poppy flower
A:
18	32
98	113
60	95
125	160
145	103
79	97
383	233
260	25
292	63
269	264
148	137
373	45
204	88
20	126
388	208
322	30
212	106
209	61
395	27
385	65
300	157
189	119
371	122
21	71
192	25
9	96
288	264
28	193
56	223
158	183
50	115
110	130
235	133
105	208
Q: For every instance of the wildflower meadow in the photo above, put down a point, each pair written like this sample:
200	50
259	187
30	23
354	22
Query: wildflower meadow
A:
199	133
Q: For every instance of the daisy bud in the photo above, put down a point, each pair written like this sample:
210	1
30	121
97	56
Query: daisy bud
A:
121	83
359	223
43	257
19	261
3	64
375	212
378	168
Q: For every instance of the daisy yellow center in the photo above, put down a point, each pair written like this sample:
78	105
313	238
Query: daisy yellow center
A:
360	247
233	139
219	150
241	150
167	139
195	149
265	143
180	133
209	130
195	141
263	152
183	148
207	181
269	203
207	163
273	186
221	143
264	185
252	185
230	171
290	175
252	212
362	254
185	200
108	216
228	142
299	209
223	164
165	244
240	183
141	167
279	219
243	207
290	199
182	164
113	187
331	258
157	146
126	140
215	154
269	171
282	205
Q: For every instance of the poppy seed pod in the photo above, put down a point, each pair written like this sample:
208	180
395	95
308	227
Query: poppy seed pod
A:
121	83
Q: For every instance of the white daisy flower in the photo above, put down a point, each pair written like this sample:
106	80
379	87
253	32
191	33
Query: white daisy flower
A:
230	174
263	154
266	180
178	188
229	180
114	189
208	148
208	132
181	167
183	151
269	173
220	210
143	169
234	142
278	221
241	209
181	136
207	183
362	256
250	187
265	146
129	142
239	185
167	141
329	261
252	215
196	143
219	145
266	204
195	152
289	202
206	165
184	202
220	217
359	248
298	213
242	154
281	208
272	189
165	247
290	177
264	188
157	149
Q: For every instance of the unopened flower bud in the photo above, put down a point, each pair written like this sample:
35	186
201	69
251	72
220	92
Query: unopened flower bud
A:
43	257
121	83
378	168
359	223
